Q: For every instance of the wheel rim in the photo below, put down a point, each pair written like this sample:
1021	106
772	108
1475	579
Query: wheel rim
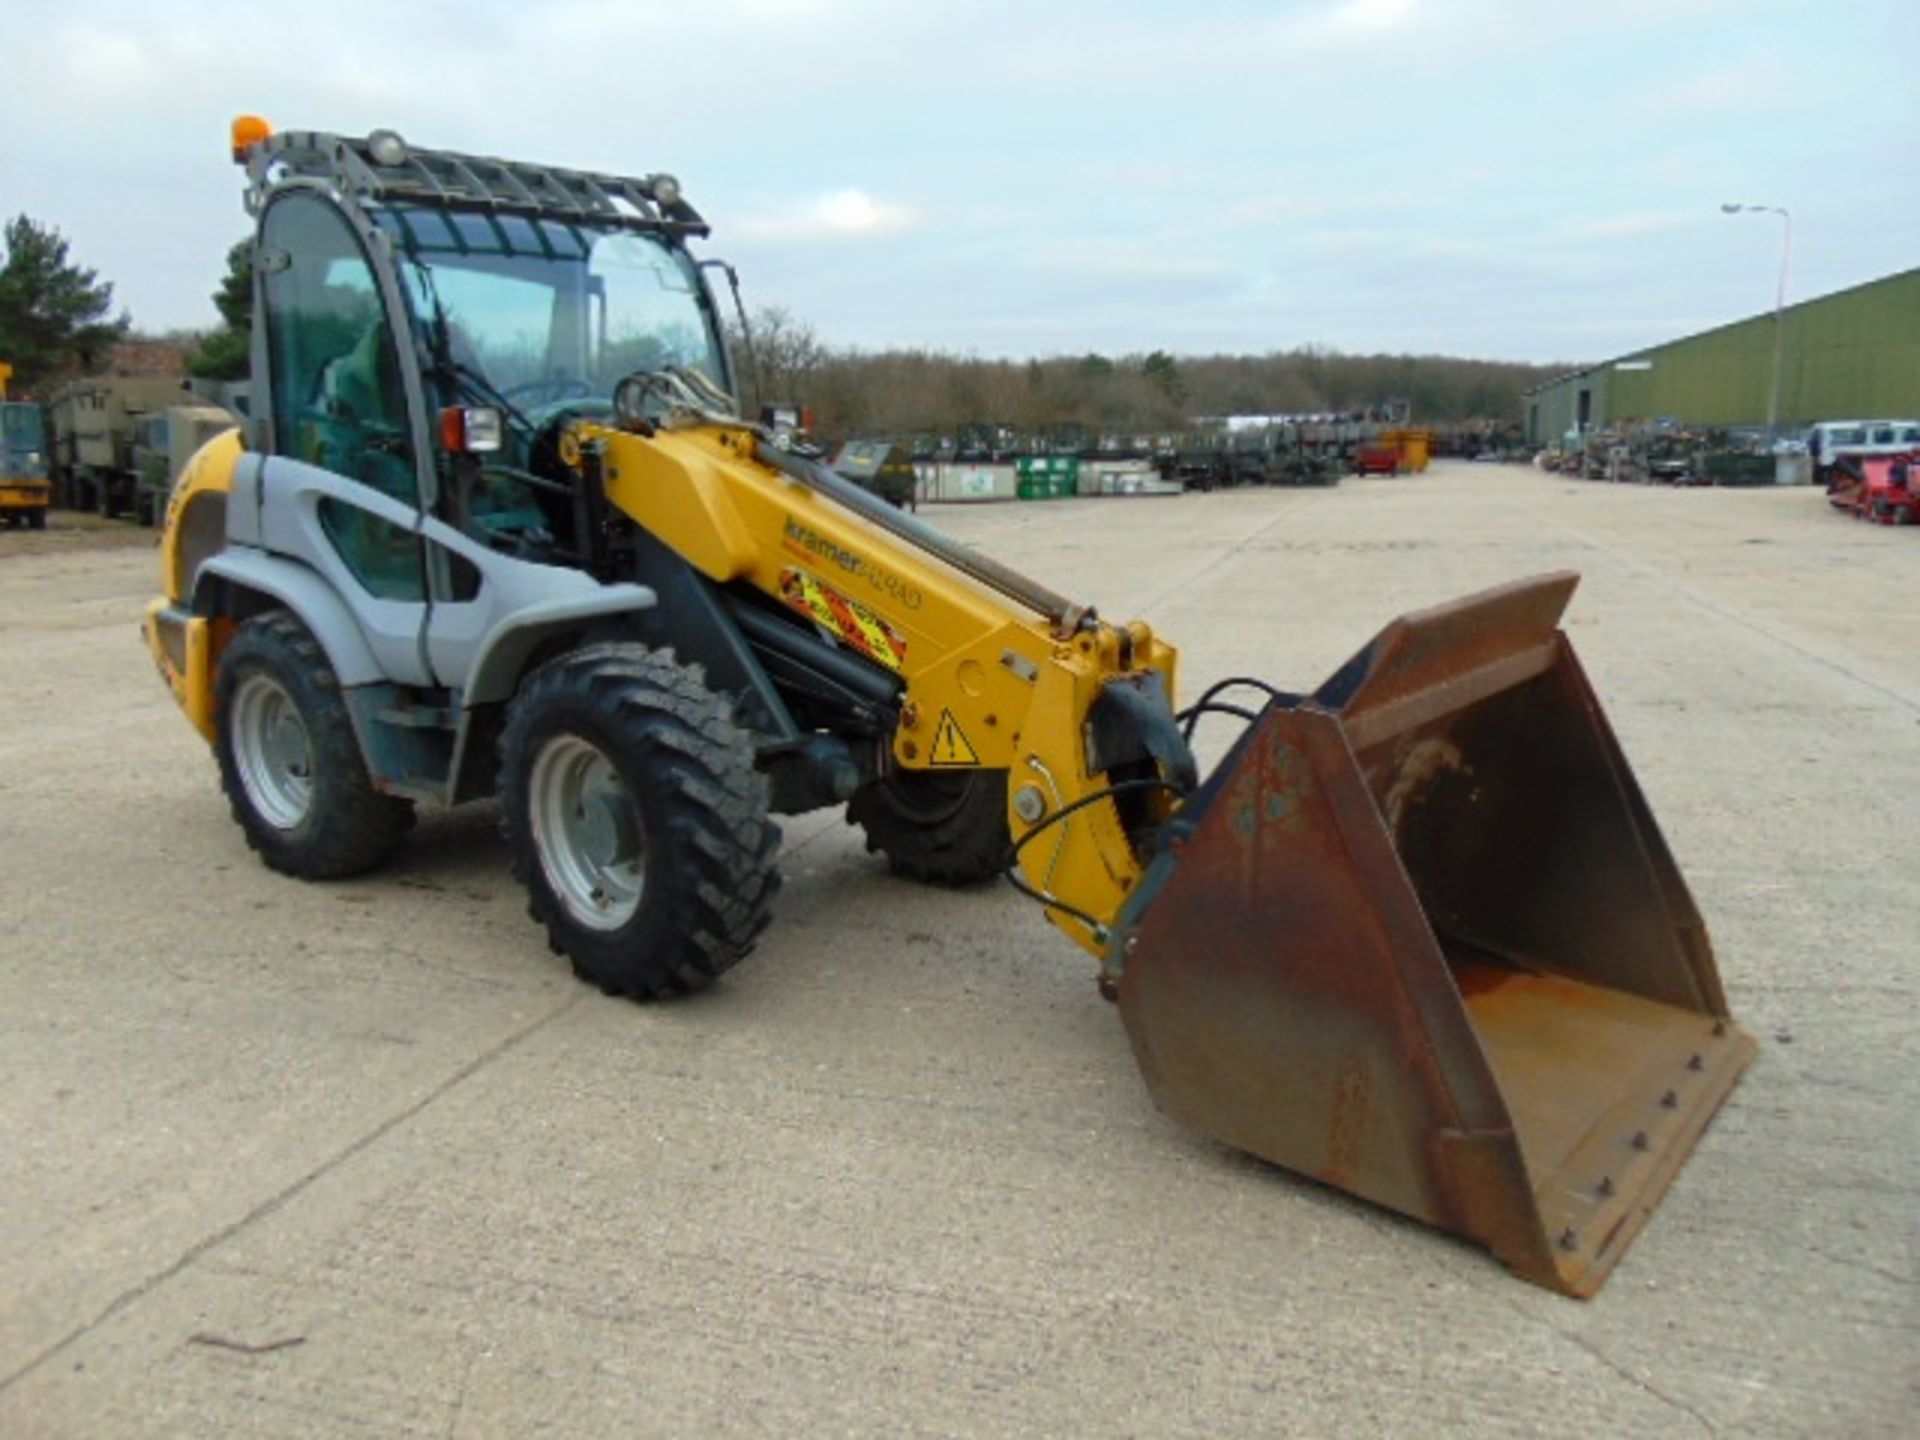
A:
587	830
272	751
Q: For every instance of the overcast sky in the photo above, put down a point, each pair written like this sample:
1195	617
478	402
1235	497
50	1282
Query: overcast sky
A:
1519	179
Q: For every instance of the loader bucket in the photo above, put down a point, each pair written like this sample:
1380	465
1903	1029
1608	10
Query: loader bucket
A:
1419	937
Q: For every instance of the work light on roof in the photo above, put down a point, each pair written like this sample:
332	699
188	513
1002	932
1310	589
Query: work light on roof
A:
387	148
666	190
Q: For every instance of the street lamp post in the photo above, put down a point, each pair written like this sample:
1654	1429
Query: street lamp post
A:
1779	296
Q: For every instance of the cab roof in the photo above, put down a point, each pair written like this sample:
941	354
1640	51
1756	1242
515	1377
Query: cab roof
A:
382	168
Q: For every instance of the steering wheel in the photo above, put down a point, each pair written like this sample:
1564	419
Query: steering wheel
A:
546	390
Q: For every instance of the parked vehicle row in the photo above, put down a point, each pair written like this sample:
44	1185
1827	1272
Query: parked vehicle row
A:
1667	454
114	445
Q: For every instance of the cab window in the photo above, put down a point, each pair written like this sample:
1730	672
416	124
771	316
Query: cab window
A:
336	393
382	556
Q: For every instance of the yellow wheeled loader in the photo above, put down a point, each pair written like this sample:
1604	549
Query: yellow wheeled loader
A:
25	490
496	528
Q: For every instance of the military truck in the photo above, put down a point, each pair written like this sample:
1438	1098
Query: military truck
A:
163	442
93	424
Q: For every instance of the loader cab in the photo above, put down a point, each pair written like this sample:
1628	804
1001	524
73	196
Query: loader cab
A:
537	321
385	319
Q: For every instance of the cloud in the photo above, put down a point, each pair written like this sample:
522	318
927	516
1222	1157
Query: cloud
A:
1762	81
1366	173
1345	24
1617	227
1369	16
839	215
96	55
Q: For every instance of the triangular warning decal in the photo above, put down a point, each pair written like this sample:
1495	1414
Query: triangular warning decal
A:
950	744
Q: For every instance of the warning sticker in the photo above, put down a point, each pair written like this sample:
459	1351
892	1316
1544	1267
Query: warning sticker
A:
847	617
950	744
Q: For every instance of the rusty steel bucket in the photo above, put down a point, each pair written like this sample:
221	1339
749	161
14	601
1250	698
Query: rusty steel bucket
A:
1419	937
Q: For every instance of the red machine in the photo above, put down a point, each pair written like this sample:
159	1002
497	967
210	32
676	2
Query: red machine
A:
1885	488
1376	458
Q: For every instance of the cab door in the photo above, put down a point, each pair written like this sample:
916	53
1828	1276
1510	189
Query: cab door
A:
343	486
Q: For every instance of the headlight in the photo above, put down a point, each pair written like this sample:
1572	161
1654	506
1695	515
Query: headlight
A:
470	431
484	433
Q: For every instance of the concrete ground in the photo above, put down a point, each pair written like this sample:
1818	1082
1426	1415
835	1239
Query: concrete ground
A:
897	1175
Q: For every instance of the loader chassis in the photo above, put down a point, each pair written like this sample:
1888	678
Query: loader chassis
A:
497	527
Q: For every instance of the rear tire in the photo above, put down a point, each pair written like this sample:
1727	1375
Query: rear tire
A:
636	820
37	520
289	760
940	827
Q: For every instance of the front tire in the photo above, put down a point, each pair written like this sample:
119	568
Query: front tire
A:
289	761
636	820
940	827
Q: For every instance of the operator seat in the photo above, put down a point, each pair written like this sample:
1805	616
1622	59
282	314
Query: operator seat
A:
359	425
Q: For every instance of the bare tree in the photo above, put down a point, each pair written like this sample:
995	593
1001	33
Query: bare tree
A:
904	392
783	353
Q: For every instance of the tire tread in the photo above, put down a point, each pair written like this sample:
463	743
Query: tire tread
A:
353	827
966	848
721	841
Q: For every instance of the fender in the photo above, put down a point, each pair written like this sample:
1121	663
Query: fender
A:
503	652
303	591
500	659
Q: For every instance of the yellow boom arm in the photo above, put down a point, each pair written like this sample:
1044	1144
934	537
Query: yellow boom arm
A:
988	683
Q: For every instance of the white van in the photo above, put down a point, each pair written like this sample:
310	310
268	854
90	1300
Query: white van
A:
1832	440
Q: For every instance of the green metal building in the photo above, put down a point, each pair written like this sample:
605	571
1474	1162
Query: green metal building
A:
1854	354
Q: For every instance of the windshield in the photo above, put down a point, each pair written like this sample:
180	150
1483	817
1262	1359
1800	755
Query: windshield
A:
545	312
20	424
21	438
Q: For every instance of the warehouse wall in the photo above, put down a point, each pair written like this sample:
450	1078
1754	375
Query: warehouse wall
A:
1852	354
1551	412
